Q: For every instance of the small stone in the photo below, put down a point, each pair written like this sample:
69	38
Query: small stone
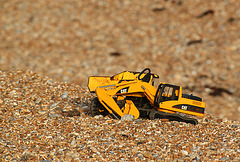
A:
109	121
184	152
219	121
64	95
73	143
236	159
164	120
45	160
128	117
94	149
12	93
71	113
148	155
207	90
53	105
138	121
75	133
12	118
98	116
235	126
224	158
49	82
197	158
139	143
225	120
140	156
38	101
42	112
205	120
58	110
84	107
54	115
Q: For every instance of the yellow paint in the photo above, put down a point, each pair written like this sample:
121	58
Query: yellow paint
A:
109	89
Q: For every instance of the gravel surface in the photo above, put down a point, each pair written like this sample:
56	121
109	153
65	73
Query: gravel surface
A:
48	49
194	44
46	120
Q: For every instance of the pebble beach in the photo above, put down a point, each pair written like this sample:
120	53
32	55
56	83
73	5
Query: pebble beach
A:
49	49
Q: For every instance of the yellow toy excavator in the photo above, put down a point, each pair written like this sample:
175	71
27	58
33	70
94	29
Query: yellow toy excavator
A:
134	93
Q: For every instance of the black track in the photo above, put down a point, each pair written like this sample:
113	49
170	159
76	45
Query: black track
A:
149	112
95	106
145	109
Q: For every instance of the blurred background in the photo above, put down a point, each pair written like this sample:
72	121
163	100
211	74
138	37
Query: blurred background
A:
195	44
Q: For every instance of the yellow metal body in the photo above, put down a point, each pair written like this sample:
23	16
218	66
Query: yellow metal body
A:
101	81
169	106
111	89
130	108
105	95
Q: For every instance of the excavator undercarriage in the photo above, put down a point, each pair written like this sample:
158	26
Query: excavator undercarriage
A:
134	93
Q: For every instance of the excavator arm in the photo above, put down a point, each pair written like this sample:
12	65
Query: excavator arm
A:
108	97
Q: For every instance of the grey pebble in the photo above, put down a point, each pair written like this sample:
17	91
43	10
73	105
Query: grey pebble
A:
64	95
53	105
128	117
54	115
224	158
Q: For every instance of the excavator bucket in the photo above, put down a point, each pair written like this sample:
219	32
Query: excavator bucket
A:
112	107
131	109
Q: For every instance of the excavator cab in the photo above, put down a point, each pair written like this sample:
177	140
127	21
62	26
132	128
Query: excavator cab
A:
166	92
170	97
